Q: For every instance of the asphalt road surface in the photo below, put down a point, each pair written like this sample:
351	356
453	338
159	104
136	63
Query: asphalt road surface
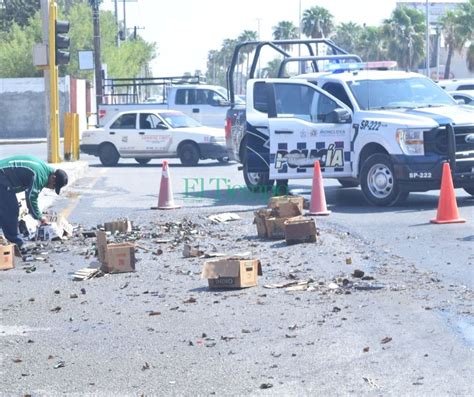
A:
410	332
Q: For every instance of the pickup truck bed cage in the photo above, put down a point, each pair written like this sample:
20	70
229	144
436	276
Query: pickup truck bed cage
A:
135	89
313	48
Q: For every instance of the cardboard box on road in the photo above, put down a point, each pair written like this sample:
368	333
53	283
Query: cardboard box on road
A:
115	258
300	230
232	272
121	226
260	220
7	257
286	206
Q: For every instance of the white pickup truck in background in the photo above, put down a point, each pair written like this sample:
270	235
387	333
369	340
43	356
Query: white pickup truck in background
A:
207	104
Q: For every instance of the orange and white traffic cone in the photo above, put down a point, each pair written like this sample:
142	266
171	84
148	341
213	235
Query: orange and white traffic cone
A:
318	199
447	206
165	197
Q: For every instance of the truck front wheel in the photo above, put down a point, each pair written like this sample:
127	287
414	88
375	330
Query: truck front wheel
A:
378	182
108	155
257	181
469	190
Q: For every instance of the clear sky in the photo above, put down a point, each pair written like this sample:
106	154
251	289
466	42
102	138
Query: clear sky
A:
186	30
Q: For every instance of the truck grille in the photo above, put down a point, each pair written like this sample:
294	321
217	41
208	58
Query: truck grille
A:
436	141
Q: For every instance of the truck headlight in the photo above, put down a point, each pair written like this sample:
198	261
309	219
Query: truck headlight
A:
217	139
411	141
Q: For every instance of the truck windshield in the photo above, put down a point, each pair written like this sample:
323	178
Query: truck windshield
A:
409	93
179	120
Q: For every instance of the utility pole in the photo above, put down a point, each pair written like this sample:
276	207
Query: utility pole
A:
47	77
117	38
124	21
97	61
427	38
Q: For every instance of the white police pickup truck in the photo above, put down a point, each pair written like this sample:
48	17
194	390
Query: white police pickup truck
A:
389	131
147	134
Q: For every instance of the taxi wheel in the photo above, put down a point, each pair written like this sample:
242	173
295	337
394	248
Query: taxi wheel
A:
257	182
142	160
378	182
108	155
223	160
189	154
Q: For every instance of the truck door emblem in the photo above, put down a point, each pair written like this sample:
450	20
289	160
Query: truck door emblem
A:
330	157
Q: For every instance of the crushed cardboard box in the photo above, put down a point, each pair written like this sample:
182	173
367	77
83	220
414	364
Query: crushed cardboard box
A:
86	274
300	230
286	206
224	217
232	272
120	226
115	258
270	221
7	257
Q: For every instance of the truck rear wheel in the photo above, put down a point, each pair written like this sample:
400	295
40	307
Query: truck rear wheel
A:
189	154
257	182
108	155
378	182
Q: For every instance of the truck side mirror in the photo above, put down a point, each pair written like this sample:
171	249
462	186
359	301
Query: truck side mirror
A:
223	102
339	116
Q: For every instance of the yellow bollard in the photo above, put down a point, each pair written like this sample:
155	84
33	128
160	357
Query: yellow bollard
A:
75	136
67	136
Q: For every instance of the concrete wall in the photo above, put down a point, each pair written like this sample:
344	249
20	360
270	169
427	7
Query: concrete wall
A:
22	106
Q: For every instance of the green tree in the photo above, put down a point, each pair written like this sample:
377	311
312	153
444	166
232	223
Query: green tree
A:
371	45
470	58
347	36
130	60
404	33
16	48
246	35
457	27
17	12
285	30
317	22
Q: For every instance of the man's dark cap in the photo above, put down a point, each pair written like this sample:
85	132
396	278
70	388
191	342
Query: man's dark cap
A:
61	180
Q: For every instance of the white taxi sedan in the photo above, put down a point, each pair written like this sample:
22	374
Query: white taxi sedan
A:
147	134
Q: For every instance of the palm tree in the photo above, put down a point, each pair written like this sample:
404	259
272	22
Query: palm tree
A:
317	22
246	35
470	58
347	36
285	30
458	28
371	45
272	68
404	33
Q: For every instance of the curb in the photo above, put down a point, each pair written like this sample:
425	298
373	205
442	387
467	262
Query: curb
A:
21	141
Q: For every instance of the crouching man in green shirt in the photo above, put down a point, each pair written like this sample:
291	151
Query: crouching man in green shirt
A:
24	174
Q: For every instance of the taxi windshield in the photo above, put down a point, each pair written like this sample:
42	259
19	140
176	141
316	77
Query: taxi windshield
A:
402	93
179	120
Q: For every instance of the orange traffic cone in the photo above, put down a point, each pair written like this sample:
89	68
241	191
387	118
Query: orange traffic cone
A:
447	206
318	199
165	198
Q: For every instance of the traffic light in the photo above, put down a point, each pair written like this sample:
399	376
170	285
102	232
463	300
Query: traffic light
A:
62	42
